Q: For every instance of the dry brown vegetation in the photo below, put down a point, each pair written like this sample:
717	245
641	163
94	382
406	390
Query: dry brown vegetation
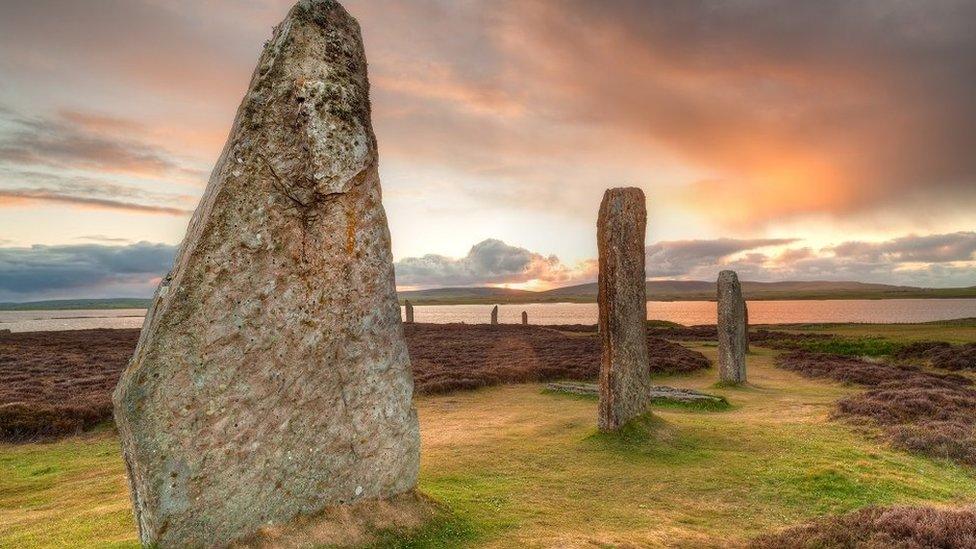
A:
928	413
941	354
448	357
881	528
55	383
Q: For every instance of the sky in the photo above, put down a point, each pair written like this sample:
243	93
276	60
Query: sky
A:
788	140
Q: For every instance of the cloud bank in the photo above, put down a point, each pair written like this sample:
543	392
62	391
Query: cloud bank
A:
104	270
82	271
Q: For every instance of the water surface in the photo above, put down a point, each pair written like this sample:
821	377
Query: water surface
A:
682	312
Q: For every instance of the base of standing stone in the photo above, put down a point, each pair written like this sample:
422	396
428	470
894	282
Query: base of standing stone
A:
658	393
353	525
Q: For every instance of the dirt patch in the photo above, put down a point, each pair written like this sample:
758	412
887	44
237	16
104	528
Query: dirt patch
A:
941	354
363	523
881	528
927	413
56	383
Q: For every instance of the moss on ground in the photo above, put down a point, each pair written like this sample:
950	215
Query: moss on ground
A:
515	467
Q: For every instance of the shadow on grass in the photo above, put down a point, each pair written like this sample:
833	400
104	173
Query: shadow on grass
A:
648	437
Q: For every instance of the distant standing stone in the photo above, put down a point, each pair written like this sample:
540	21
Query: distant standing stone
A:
731	329
408	308
525	317
624	365
271	379
494	314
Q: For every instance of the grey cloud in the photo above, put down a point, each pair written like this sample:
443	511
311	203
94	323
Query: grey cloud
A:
936	260
937	248
488	262
681	257
81	270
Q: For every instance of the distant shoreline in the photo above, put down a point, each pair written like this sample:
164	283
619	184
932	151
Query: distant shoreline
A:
115	304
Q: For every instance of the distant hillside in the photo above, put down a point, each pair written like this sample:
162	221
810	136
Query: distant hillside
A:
657	290
71	304
690	290
447	296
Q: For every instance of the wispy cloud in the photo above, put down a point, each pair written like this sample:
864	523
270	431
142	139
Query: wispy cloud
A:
681	257
17	197
82	141
33	187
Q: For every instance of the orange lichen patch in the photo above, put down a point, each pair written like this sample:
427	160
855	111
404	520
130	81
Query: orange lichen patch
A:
350	228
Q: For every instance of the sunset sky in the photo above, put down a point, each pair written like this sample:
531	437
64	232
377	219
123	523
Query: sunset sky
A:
827	140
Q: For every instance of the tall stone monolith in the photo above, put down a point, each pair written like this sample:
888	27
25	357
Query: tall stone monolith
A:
731	329
271	378
494	315
408	308
624	366
525	318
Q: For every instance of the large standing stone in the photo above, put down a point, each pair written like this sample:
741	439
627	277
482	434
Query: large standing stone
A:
494	315
525	318
272	377
408	307
731	329
624	368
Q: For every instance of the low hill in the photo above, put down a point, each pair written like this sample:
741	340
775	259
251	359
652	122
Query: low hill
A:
449	296
690	290
657	290
74	304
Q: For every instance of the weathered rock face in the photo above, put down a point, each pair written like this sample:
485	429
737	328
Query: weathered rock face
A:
408	308
272	378
525	318
624	368
731	329
494	314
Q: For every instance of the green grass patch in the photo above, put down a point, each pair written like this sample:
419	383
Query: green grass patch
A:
858	346
567	394
693	406
444	530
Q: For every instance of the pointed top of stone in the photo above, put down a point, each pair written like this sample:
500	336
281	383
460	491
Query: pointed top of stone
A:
314	61
728	276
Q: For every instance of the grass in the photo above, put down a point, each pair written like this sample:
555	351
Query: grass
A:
515	467
848	346
952	331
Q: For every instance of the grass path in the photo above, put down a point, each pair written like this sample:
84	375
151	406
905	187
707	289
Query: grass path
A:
518	467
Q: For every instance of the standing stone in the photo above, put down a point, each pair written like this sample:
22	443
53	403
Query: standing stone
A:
525	318
624	366
494	315
408	307
731	329
271	378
